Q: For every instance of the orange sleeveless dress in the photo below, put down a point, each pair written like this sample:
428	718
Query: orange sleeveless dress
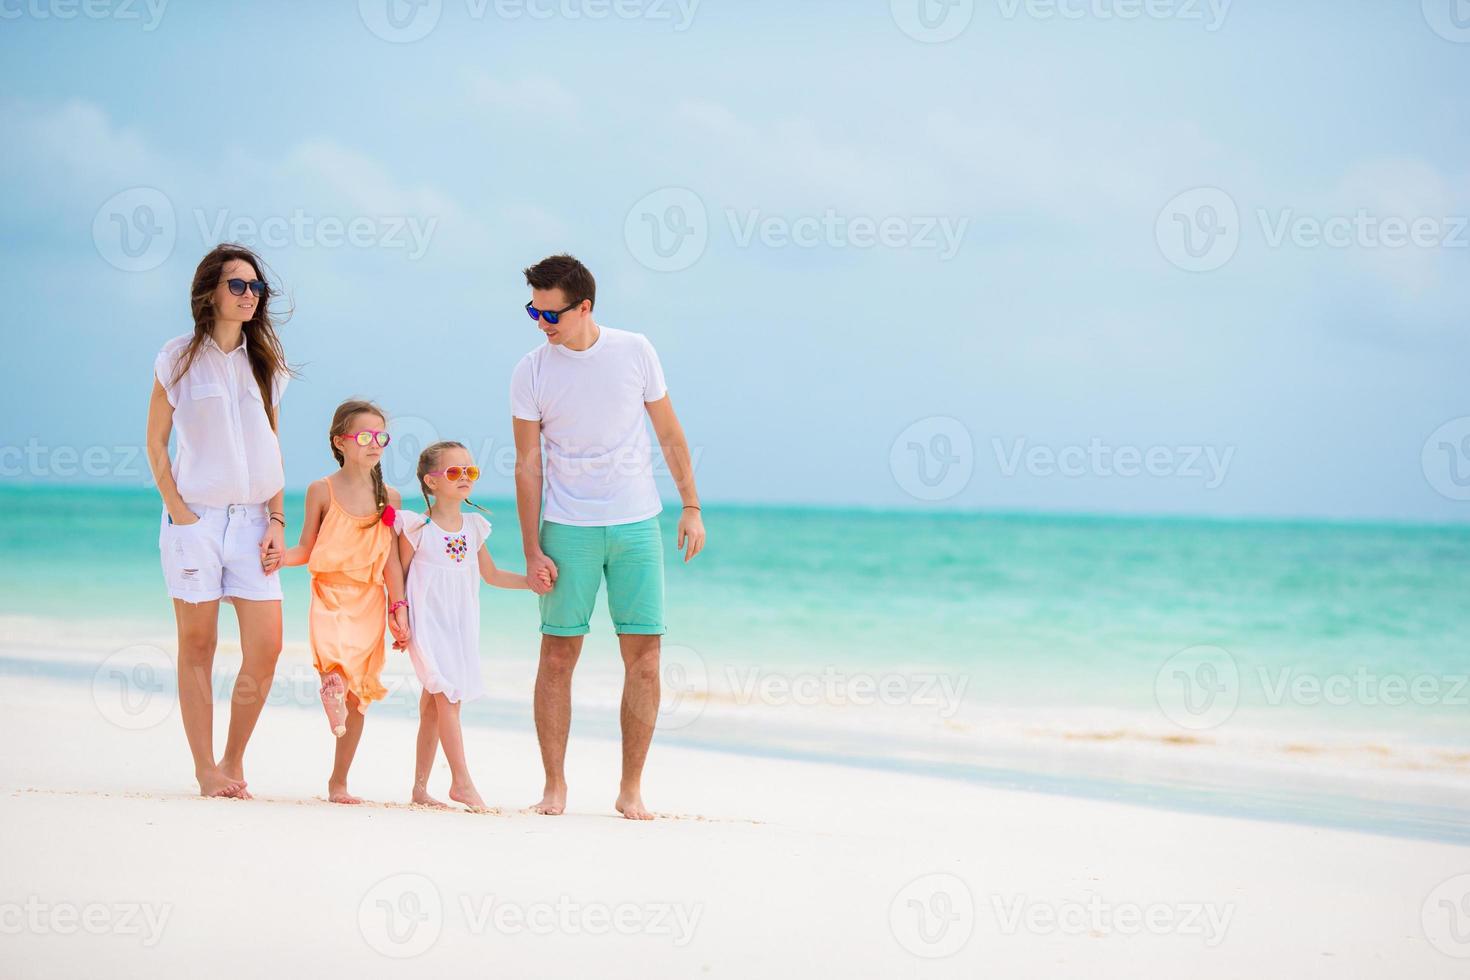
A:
349	600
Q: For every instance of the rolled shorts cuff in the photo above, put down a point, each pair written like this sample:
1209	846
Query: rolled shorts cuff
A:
566	630
638	629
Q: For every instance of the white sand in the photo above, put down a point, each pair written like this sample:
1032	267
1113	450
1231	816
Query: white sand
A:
112	868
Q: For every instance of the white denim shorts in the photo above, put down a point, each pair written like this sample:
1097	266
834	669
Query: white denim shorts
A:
218	556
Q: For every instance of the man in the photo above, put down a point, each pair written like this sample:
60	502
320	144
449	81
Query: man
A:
582	396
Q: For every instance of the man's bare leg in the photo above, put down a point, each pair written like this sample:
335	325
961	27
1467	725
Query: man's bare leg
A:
428	746
638	715
198	624
260	646
346	749
553	709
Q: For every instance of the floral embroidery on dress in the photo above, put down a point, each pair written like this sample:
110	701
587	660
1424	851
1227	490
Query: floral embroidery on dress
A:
456	547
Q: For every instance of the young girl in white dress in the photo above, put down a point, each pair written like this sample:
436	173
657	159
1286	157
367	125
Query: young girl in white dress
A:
444	553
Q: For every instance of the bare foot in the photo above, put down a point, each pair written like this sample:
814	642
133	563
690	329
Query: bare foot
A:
212	782
337	793
236	772
421	797
630	805
469	796
553	801
334	700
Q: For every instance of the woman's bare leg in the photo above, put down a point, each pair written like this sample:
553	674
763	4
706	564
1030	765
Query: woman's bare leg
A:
428	746
260	644
198	624
346	749
461	786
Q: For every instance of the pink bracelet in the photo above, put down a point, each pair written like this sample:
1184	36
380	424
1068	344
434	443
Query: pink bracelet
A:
400	604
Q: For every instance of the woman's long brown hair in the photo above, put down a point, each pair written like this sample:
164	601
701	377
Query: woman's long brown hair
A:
263	347
341	418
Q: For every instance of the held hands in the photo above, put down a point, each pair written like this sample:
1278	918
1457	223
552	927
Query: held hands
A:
398	626
272	548
540	573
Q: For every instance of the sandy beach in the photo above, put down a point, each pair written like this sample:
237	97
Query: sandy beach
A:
778	867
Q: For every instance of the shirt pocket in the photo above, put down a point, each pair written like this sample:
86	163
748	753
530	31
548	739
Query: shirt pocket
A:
202	391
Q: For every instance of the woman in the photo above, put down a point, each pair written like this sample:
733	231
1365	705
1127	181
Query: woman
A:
223	528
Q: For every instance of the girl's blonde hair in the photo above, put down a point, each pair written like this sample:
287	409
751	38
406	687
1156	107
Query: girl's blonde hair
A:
341	418
429	460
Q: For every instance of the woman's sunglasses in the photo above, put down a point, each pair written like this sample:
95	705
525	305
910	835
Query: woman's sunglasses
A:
453	473
366	437
552	317
238	287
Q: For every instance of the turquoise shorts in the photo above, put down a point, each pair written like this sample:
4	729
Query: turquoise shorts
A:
632	558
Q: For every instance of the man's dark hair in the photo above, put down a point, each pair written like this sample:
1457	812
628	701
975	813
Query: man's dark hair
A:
563	272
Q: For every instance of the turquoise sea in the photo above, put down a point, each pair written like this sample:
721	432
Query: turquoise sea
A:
1329	659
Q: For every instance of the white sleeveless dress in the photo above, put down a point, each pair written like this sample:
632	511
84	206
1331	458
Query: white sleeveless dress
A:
444	604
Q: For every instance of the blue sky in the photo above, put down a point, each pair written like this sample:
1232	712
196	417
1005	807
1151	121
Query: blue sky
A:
1071	258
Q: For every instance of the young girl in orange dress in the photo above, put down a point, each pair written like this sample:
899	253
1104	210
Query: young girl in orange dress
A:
349	545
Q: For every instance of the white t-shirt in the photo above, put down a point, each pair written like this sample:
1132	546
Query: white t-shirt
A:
594	428
227	452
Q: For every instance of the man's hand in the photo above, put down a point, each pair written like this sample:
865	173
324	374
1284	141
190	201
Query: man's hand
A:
272	548
691	533
541	573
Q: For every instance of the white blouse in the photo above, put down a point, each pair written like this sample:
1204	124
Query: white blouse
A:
227	452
